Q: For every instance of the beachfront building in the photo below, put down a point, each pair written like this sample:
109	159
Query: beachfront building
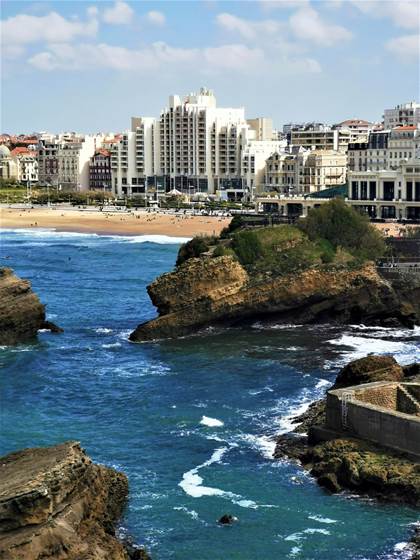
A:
322	137
100	170
9	167
194	147
27	165
385	149
253	167
63	160
301	171
388	194
406	114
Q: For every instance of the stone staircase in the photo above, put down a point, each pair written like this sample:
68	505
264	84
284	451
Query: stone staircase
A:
407	402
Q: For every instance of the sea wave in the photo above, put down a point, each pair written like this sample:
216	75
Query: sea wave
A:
211	422
360	346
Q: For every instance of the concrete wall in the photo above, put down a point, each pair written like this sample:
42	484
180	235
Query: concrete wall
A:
384	426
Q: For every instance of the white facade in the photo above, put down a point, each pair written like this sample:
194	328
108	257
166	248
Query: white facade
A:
404	114
63	160
194	146
388	194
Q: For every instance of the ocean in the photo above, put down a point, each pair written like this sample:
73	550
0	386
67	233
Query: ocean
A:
190	421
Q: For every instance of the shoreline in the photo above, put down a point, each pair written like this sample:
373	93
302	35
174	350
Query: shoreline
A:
134	223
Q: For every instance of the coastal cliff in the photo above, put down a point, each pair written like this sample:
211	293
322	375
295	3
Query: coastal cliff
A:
210	291
21	312
55	503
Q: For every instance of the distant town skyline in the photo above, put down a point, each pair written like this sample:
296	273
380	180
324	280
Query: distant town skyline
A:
89	66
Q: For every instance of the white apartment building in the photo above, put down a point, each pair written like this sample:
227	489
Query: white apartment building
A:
284	170
388	194
325	138
254	157
402	115
63	160
193	147
385	149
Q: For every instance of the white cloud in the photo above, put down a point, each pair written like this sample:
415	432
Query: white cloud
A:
306	24
120	14
246	28
268	5
235	58
407	46
24	29
156	18
403	13
82	56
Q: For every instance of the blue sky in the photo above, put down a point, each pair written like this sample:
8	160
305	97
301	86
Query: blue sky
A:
89	66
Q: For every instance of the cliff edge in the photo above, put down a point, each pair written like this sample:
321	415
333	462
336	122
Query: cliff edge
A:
218	290
56	503
21	312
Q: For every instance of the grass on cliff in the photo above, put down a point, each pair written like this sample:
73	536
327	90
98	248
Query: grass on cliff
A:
333	235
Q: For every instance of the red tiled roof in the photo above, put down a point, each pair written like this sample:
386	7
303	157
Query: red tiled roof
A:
406	127
102	152
19	151
355	122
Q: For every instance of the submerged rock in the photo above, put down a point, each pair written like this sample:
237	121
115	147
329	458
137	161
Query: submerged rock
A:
209	291
56	504
227	519
22	315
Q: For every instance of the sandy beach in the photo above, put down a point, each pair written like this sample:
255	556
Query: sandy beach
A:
118	223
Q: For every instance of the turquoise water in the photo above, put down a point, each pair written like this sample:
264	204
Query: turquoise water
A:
189	421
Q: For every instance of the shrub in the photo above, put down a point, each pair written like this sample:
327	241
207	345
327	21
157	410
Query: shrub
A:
194	248
222	251
343	226
247	246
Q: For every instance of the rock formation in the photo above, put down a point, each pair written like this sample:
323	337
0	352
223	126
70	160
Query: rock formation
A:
22	315
350	463
56	504
208	291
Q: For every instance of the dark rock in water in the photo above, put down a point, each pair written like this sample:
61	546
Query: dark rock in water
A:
227	519
411	370
52	327
369	369
56	504
350	463
21	312
210	291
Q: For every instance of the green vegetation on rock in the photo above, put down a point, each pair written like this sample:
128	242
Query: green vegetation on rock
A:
344	227
333	235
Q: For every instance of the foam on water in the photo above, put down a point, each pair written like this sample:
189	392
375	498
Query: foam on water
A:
404	352
211	422
321	519
191	482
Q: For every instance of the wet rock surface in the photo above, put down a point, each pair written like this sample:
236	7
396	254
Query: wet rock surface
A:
350	463
56	504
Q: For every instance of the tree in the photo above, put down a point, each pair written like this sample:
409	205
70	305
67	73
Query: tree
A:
344	227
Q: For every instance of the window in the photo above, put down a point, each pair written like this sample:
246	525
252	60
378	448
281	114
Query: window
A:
363	190
354	190
389	190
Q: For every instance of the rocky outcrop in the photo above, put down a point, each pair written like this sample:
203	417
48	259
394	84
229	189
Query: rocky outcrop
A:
350	463
22	315
56	504
209	291
369	369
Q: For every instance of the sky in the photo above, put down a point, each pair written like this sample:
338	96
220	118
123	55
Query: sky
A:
90	66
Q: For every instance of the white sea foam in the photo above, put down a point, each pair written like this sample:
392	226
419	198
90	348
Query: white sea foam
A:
53	233
112	345
263	444
103	330
311	531
404	352
322	383
211	422
295	551
189	512
191	481
400	546
321	519
159	239
295	537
